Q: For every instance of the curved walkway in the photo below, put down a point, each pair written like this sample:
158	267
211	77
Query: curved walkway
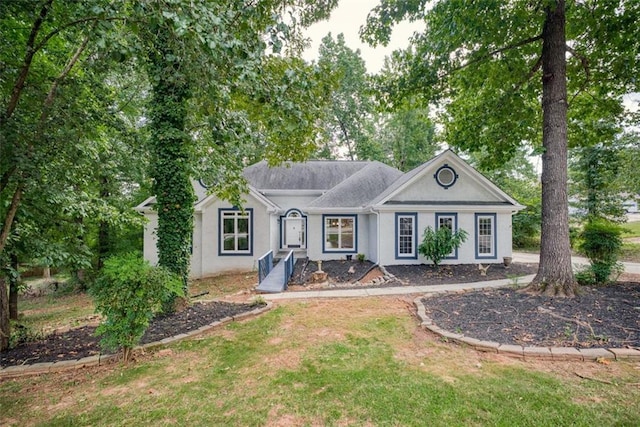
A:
539	353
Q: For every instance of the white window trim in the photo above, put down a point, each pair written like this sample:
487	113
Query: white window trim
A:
493	237
413	253
236	215
353	218
454	228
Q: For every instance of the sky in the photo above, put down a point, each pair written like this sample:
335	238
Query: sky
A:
347	19
350	15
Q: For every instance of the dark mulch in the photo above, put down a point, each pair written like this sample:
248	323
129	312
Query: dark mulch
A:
457	273
338	270
607	316
81	342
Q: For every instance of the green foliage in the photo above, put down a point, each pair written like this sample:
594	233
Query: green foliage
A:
361	257
596	184
601	242
515	73
408	136
128	293
22	334
348	125
437	245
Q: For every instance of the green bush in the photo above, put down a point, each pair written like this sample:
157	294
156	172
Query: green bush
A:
128	293
601	242
526	228
437	245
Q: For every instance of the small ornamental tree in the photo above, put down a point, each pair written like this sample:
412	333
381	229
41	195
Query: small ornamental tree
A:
437	245
128	293
601	243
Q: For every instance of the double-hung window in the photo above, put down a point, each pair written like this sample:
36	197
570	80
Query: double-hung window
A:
406	235
235	232
486	235
340	233
450	221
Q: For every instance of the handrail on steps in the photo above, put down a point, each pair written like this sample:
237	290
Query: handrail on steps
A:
289	263
265	265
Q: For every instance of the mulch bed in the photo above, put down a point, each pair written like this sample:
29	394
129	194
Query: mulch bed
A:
606	316
602	317
403	275
338	271
457	273
82	342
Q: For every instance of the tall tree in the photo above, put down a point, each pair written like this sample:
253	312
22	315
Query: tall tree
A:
481	58
208	55
407	135
349	121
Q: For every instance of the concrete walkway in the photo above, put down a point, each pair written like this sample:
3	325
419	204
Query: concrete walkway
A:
521	257
629	267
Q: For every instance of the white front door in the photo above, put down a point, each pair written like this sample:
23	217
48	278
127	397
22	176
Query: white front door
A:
293	232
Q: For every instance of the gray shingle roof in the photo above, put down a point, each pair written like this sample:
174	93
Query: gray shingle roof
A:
360	188
312	175
402	180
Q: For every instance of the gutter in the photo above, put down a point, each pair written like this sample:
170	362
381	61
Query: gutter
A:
377	214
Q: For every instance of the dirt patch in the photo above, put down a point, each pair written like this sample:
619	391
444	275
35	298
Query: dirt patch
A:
606	316
339	271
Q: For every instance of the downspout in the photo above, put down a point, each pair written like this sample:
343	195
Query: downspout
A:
377	214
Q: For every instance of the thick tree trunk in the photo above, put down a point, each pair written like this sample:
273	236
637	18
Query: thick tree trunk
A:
555	275
171	148
5	326
13	290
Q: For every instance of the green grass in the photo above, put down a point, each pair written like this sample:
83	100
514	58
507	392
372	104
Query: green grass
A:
630	252
633	229
300	364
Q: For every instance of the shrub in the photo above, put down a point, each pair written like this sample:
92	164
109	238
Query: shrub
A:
526	228
437	245
128	293
601	242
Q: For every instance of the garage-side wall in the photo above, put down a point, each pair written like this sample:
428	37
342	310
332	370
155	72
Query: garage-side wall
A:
467	251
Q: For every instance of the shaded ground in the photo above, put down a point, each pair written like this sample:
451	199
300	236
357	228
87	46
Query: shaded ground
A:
607	316
82	342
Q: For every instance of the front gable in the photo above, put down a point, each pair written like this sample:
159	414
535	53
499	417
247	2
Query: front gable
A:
445	180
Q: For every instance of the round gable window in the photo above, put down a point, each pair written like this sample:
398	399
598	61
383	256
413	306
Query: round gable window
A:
445	176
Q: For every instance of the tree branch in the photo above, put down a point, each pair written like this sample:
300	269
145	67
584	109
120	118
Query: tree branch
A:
65	72
585	64
497	51
531	73
11	213
4	181
26	63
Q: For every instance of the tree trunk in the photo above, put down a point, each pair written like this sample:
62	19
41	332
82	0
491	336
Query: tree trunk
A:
555	275
171	152
103	228
13	289
5	326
